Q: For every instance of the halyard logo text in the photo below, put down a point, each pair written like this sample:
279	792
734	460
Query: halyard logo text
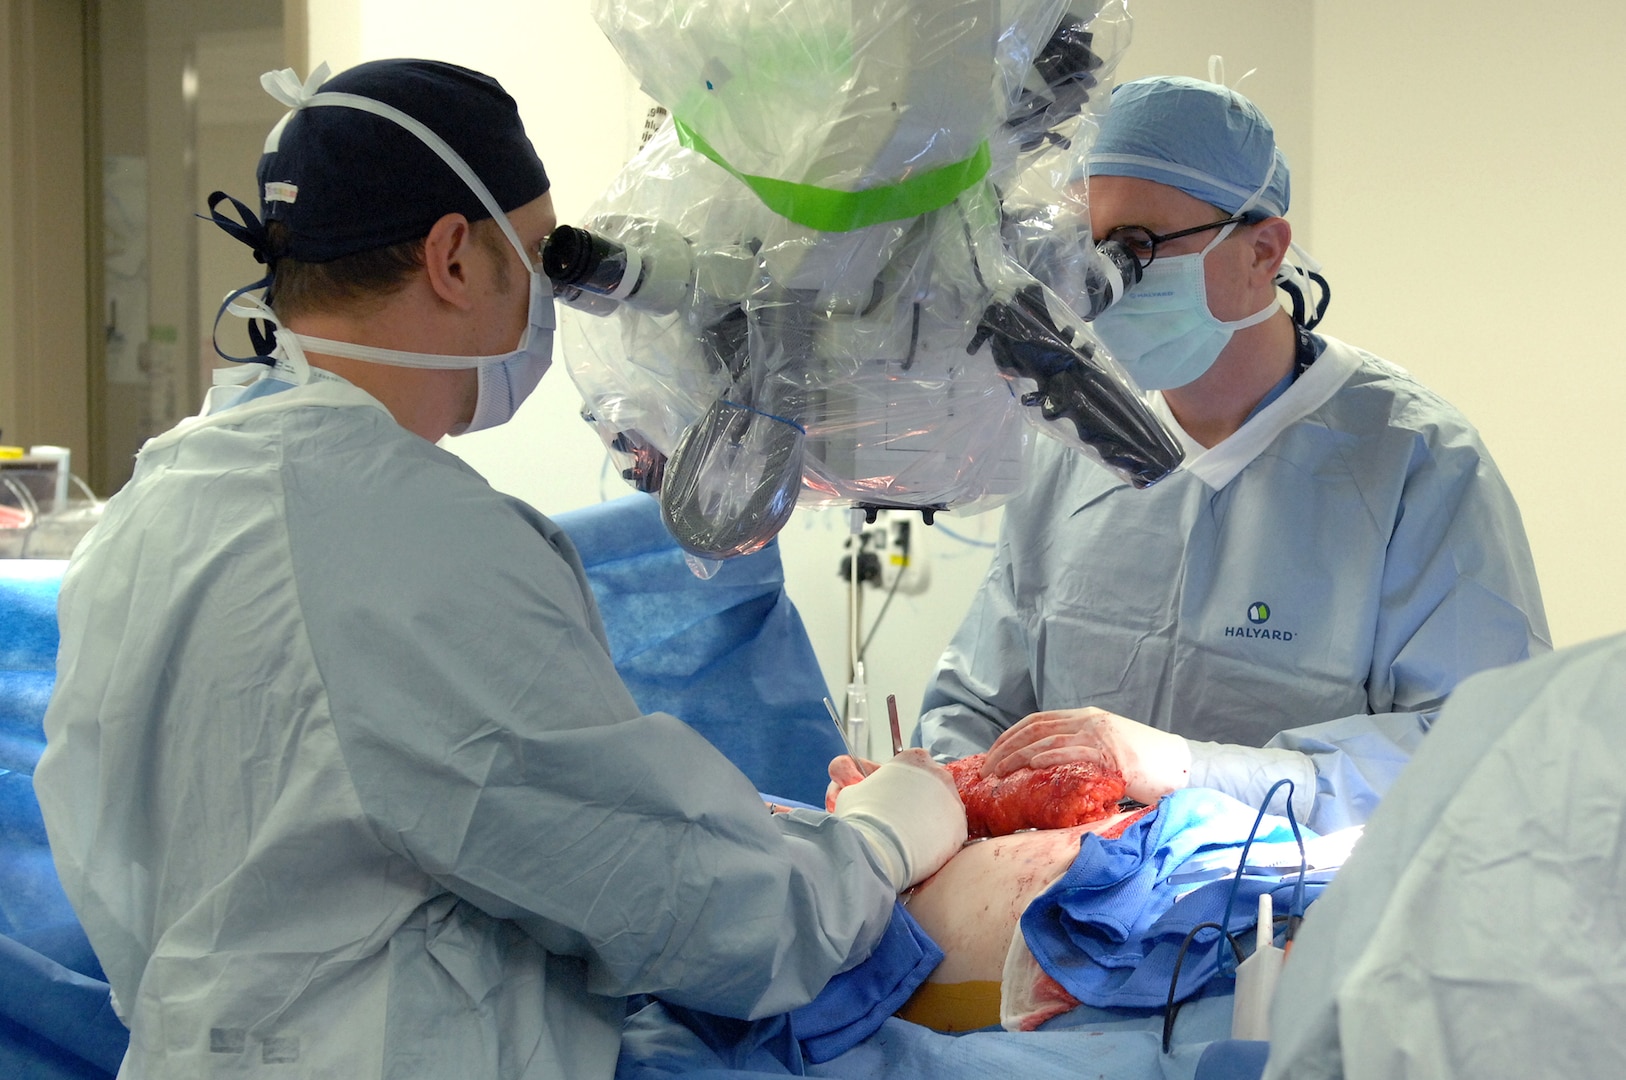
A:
1258	615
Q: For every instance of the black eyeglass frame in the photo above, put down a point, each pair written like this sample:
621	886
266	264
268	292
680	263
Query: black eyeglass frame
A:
1153	239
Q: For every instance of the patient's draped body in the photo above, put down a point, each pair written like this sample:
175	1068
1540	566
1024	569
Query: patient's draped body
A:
972	908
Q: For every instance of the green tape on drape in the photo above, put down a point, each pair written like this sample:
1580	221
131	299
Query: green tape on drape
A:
828	210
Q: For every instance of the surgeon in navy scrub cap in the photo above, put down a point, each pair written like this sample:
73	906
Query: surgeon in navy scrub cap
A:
339	775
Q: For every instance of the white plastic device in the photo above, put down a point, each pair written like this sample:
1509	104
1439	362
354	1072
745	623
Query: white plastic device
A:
1256	979
858	713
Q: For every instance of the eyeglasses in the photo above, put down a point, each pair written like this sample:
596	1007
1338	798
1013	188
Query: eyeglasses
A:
1142	242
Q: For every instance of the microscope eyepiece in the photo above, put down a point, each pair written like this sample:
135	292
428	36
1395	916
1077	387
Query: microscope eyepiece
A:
575	256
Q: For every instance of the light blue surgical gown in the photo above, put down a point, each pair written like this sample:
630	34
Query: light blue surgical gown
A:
1319	581
1476	931
342	782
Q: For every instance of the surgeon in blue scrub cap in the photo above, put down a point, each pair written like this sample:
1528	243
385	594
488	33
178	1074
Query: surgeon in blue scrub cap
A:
1298	601
339	775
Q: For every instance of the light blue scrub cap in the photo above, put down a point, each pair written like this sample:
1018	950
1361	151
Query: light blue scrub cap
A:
1209	142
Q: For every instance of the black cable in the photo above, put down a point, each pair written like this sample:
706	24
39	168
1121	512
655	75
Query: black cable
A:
1293	918
1300	291
1170	1009
914	338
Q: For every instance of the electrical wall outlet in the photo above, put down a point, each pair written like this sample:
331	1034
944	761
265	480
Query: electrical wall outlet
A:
870	545
908	569
901	561
887	556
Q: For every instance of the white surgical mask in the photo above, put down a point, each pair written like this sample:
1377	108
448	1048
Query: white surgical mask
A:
506	384
1162	330
505	379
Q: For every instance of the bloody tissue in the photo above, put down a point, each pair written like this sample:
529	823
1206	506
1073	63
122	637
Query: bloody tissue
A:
1057	797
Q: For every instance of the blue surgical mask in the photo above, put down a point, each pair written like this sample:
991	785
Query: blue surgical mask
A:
1162	330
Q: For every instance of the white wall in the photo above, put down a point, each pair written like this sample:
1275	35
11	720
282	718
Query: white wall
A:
1453	166
1266	47
1468	159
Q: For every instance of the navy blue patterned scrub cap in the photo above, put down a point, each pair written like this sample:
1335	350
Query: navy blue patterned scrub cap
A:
343	180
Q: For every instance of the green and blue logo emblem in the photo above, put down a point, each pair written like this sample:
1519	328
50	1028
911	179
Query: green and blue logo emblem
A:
1258	615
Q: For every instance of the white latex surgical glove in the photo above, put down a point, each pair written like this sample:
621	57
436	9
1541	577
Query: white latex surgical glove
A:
845	770
910	814
1153	762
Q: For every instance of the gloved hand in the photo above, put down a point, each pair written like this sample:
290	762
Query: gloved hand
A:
1153	762
909	813
844	770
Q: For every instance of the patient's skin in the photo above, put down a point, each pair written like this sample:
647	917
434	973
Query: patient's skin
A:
971	906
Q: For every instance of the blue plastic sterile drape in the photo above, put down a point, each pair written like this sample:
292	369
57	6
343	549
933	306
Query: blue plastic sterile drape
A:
728	655
56	1018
